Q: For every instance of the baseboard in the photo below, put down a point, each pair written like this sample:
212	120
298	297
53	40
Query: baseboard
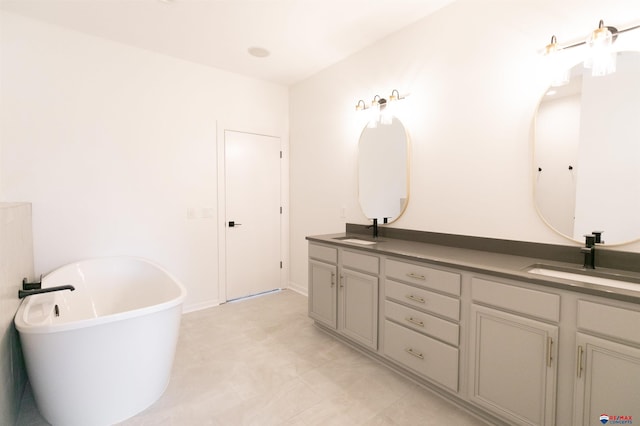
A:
298	288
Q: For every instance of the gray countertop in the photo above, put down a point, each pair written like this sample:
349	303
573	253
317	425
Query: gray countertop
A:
496	264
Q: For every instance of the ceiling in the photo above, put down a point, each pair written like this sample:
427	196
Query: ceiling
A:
302	36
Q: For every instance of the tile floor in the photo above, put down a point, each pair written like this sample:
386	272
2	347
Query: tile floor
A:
261	361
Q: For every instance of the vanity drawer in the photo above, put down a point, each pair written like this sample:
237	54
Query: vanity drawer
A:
609	320
430	358
326	254
435	279
521	300
429	301
423	323
361	262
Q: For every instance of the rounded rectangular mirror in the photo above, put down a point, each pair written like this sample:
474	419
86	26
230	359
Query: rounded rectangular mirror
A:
383	171
586	153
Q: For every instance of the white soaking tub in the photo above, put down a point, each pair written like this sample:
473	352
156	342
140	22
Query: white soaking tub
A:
102	353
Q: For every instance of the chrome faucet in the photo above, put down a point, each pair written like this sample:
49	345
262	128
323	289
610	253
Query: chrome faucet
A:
24	293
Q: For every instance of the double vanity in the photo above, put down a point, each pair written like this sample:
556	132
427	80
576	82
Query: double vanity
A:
518	333
495	326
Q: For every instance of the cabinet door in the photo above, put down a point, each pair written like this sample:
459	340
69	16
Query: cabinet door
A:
513	367
607	381
322	293
359	307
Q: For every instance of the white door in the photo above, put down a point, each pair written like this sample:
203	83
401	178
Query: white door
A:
253	212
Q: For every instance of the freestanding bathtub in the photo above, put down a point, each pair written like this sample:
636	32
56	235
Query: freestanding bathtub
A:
104	352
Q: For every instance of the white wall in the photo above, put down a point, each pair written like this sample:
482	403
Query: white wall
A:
16	263
475	77
112	145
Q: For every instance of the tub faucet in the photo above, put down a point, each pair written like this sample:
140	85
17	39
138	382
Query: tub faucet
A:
24	293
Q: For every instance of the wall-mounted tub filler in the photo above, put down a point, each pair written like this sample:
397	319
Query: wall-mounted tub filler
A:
94	356
24	293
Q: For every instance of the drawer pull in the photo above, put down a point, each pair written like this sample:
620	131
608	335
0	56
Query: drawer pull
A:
410	351
415	298
579	361
415	321
549	351
416	276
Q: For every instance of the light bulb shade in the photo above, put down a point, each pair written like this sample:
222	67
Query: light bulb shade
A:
601	57
386	116
374	115
558	69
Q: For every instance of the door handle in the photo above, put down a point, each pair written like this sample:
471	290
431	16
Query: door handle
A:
233	224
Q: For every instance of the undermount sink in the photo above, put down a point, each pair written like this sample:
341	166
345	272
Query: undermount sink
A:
357	240
587	276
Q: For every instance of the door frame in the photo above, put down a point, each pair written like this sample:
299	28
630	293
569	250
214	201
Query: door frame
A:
222	196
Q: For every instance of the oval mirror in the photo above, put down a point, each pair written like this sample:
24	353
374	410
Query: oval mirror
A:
383	171
587	153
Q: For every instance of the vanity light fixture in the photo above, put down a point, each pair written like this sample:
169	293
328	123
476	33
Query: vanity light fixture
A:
395	96
386	112
374	113
381	109
391	106
560	72
601	56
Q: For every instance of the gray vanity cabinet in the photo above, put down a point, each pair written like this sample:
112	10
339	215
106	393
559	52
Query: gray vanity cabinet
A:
513	351
497	345
422	311
323	272
343	292
607	374
358	298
